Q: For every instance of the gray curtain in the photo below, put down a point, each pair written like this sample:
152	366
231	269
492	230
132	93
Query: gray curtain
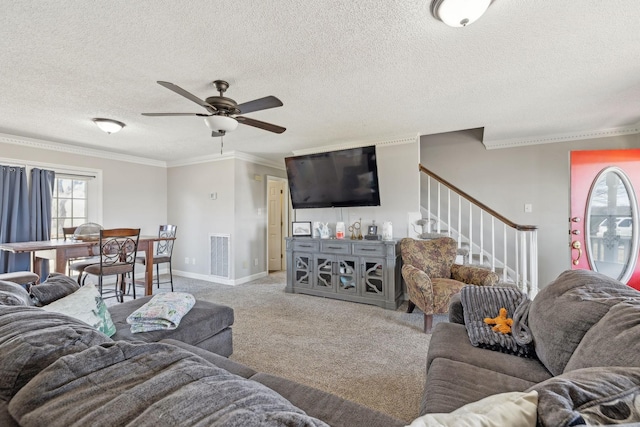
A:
14	216
40	197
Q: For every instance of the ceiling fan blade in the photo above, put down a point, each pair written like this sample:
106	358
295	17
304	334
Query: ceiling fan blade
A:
259	104
174	114
188	95
261	125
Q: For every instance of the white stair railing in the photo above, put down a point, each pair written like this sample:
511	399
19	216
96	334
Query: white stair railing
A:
513	253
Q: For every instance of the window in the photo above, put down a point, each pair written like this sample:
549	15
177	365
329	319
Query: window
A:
69	204
77	194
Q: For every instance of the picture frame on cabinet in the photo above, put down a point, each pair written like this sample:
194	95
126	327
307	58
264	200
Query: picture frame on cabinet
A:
301	228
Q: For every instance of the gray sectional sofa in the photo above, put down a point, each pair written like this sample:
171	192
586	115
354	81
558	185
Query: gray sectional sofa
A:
585	365
59	371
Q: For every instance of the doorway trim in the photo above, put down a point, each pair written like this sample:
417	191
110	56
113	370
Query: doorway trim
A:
285	223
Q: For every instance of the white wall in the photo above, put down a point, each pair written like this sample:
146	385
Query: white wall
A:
195	214
506	179
250	230
399	182
238	210
134	194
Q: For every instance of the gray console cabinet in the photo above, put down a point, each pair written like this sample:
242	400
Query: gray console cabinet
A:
352	270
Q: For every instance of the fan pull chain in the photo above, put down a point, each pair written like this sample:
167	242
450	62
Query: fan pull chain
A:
221	143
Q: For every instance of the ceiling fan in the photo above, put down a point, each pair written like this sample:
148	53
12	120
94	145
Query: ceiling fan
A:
223	113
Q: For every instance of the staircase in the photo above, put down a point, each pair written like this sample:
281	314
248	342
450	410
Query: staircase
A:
485	237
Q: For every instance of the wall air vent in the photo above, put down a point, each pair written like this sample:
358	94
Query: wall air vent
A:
220	255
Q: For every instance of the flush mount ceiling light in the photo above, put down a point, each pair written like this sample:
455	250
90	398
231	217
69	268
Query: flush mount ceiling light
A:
109	126
221	124
459	13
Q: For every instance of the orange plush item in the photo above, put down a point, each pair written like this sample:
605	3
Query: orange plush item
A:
502	323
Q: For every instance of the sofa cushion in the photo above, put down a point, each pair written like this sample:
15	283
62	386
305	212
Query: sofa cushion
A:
148	384
86	305
613	341
202	322
452	384
564	310
9	298
590	396
31	339
451	341
55	287
14	294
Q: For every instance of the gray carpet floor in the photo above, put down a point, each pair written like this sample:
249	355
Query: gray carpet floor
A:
363	353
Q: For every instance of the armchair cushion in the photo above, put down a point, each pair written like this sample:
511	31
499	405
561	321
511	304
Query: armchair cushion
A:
473	275
435	257
443	291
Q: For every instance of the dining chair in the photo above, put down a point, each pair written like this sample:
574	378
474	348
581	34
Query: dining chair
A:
118	248
163	252
80	263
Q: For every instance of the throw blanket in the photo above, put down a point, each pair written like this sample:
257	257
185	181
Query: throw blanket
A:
148	384
163	311
479	302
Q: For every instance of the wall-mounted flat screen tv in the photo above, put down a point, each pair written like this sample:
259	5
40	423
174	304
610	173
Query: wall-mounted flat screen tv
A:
343	178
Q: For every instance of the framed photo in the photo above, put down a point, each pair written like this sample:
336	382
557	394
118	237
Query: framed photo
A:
301	228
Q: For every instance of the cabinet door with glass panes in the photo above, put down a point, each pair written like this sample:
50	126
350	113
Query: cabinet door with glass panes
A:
372	283
303	269
336	273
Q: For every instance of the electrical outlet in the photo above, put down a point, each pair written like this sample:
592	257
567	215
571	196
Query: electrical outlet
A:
193	261
186	260
245	264
255	262
528	207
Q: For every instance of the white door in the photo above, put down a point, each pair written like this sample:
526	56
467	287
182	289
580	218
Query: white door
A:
275	206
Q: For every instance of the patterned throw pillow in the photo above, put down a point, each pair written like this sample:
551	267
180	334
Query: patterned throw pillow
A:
87	305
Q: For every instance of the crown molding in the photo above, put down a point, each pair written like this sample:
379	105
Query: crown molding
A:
357	144
561	137
42	144
82	151
230	155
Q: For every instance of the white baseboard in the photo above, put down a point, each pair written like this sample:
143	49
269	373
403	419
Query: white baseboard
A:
215	279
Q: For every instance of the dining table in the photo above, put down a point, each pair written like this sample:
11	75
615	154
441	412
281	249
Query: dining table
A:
62	250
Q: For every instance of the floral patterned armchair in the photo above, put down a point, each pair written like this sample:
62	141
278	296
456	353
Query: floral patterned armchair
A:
432	277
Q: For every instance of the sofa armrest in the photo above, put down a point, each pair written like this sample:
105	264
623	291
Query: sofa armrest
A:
473	275
456	311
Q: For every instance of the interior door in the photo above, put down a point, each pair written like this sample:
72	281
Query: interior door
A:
275	217
604	224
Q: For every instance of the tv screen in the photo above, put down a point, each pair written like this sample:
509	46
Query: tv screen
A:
342	178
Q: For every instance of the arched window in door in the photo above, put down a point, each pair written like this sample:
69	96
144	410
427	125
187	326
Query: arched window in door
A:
612	225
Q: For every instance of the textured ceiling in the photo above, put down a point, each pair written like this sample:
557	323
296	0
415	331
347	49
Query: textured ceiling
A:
346	71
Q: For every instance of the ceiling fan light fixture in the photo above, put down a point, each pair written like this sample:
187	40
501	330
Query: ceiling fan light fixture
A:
221	124
459	13
109	126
